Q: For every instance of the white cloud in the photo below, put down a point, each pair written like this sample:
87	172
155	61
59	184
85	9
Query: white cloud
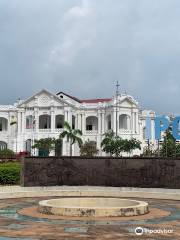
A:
85	46
81	11
78	34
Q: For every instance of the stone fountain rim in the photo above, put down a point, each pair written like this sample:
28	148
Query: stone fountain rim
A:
44	203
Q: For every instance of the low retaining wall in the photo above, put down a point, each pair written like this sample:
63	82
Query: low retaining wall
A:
103	171
88	191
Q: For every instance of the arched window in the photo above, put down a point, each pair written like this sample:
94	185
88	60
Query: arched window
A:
3	145
92	123
124	121
108	122
44	121
73	121
59	121
28	145
3	124
29	122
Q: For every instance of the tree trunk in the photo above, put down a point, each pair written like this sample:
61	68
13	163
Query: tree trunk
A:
70	149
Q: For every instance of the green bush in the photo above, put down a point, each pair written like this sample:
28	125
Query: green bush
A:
6	153
9	173
89	149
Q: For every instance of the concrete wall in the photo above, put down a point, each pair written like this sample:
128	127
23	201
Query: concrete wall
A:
103	171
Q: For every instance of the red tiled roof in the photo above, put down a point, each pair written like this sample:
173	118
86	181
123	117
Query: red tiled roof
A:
97	100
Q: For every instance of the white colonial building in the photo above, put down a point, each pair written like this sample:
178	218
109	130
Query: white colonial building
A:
43	115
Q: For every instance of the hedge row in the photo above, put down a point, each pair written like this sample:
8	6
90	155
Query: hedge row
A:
6	153
9	173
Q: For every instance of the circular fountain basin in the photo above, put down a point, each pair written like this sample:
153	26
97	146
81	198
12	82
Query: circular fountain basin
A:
93	207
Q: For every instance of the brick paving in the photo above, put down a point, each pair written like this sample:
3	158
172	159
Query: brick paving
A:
18	220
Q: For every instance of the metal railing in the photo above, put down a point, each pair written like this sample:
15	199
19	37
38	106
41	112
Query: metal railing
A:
91	132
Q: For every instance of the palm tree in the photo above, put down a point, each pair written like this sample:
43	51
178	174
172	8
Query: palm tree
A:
73	135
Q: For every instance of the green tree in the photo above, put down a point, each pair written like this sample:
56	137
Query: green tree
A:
45	145
115	145
132	144
118	146
73	135
112	144
107	143
169	147
89	149
6	153
150	151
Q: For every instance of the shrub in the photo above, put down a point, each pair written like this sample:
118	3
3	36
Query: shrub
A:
45	146
6	153
89	149
9	173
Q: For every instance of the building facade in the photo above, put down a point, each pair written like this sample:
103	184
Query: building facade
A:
43	115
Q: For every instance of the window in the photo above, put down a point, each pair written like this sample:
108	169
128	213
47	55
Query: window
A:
89	127
59	121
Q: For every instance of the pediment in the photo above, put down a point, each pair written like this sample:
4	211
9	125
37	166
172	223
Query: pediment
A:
43	98
128	102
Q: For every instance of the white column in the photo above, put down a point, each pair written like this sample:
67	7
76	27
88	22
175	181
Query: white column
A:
79	121
99	122
70	117
152	129
36	120
103	123
66	147
83	123
23	122
52	120
19	122
9	128
76	121
135	122
114	121
131	123
65	116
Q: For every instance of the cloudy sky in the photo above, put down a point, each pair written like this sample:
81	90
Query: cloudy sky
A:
83	47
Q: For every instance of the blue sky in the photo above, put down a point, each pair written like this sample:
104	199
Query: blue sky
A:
83	47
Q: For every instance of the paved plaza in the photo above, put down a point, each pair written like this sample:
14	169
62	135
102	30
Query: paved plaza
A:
19	219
